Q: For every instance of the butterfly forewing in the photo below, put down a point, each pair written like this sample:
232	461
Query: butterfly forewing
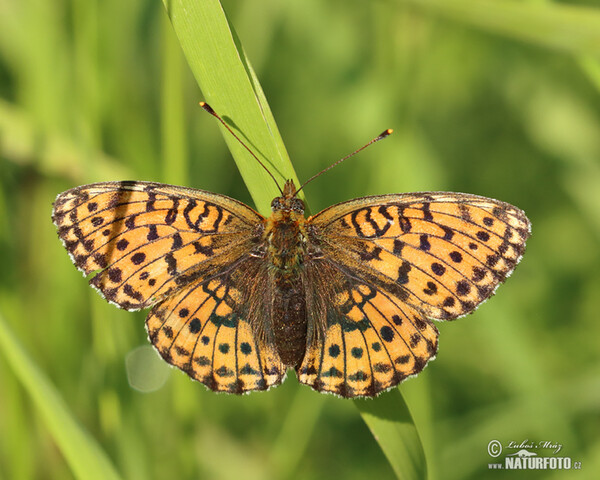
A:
146	239
441	253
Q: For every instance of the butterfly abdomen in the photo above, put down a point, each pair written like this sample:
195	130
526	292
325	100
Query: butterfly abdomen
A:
289	319
286	241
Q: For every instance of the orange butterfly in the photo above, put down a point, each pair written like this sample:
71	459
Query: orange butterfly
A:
344	297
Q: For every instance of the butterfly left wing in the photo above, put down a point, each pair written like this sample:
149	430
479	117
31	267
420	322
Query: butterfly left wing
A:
210	330
189	253
371	340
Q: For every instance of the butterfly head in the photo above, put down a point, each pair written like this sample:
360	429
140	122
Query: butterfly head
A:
288	202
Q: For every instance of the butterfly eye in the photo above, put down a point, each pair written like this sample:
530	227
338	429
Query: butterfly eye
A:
277	204
297	205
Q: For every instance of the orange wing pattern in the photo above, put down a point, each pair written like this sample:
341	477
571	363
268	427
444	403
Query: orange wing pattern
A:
369	272
204	331
372	342
441	253
406	258
153	244
147	239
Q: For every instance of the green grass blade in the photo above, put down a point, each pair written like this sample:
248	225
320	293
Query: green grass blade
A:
297	428
229	85
391	423
84	456
573	29
174	141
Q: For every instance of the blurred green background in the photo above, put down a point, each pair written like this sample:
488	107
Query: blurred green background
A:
499	102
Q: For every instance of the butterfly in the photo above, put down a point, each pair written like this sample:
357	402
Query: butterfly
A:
344	297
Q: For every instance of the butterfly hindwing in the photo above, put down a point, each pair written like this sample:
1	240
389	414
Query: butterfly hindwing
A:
372	341
204	330
440	253
145	240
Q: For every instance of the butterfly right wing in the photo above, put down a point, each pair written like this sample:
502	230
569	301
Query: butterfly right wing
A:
211	329
442	253
387	264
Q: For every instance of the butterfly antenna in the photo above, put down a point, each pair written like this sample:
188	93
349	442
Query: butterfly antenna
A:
381	136
209	109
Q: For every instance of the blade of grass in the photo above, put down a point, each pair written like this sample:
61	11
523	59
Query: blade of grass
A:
229	85
573	29
297	428
391	423
174	154
84	456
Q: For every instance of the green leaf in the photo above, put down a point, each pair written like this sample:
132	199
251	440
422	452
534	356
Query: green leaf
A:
84	456
391	423
229	85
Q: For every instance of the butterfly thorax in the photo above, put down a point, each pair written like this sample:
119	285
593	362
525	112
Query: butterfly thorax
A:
285	232
285	236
